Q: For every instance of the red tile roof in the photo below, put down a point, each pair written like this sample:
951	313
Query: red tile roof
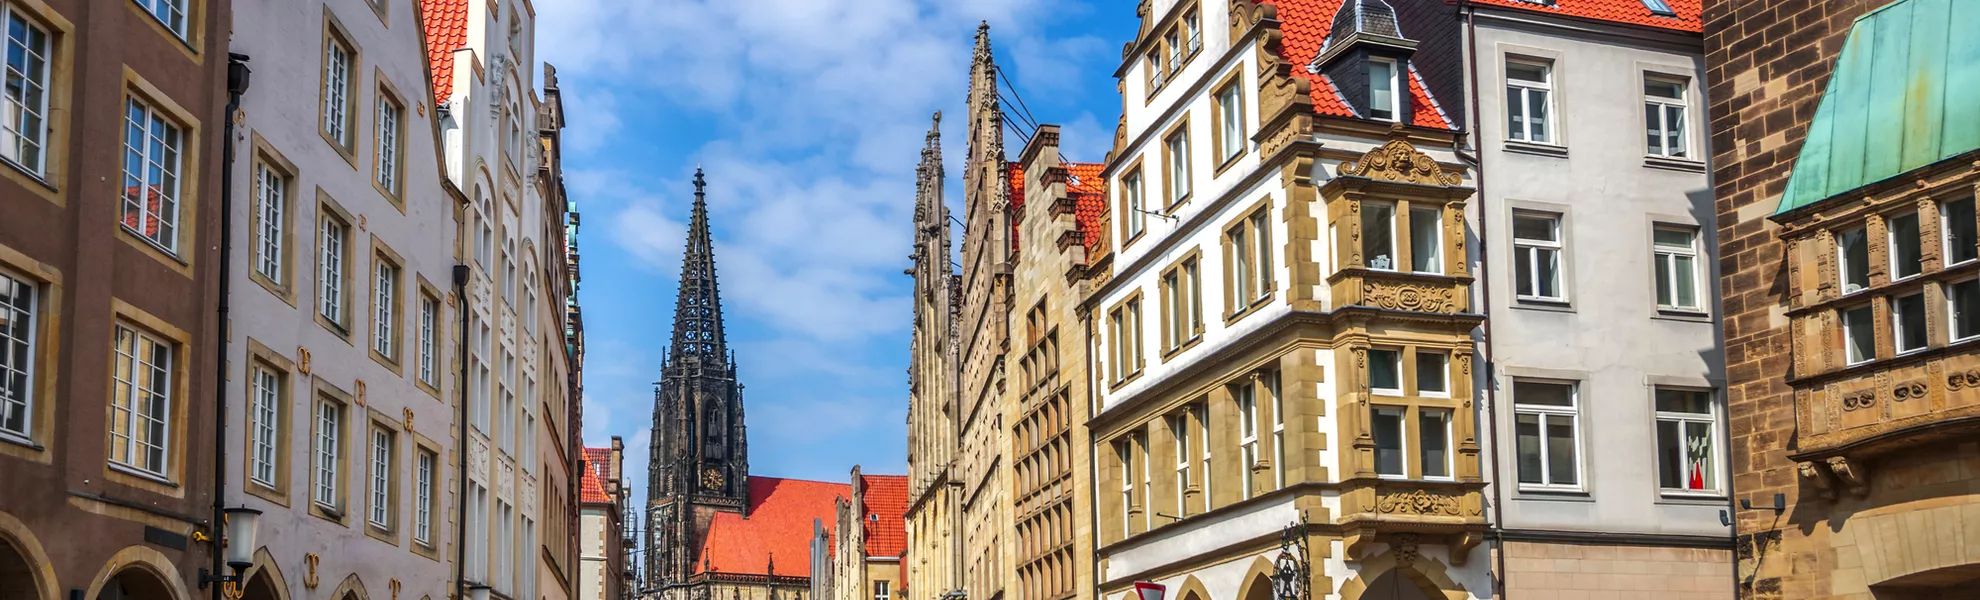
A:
1304	25
1627	12
886	497
778	529
1084	187
597	468
446	24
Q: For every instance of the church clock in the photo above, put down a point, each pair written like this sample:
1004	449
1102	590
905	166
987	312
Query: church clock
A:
711	479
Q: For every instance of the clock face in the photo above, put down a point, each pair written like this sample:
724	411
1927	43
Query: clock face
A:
711	479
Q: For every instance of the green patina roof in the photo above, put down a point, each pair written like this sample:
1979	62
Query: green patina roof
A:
1905	94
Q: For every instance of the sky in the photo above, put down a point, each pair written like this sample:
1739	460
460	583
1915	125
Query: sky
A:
808	117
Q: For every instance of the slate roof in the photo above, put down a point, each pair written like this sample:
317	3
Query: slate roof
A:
1304	25
597	468
1684	17
1901	98
446	23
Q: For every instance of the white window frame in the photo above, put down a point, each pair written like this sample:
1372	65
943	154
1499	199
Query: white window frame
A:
1714	486
1179	428
1946	241
1175	149
1394	105
509	271
880	591
1533	251
1891	238
1201	412
1573	413
505	419
1659	108
1368	212
381	478
272	204
1667	256
1526	90
1124	450
1842	258
19	319
389	124
1450	462
423	470
1953	317
328	453
1230	120
170	13
429	325
1147	481
1247	404
1136	203
1443	372
1849	332
1271	380
135	449
16	139
266	409
337	66
1433	264
1401	413
162	152
1261	242
1899	341
1395	362
385	288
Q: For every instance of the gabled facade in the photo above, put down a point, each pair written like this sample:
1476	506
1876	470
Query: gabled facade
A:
863	561
934	515
603	548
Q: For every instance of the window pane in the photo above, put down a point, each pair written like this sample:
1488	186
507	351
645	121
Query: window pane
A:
1855	249
1962	234
1698	456
1526	428
1232	138
1515	114
1664	291
1653	127
1965	300
1433	427
1526	72
1533	227
1426	240
1388	441
1674	142
1910	314
1858	338
1684	401
16	354
1906	252
1432	373
1537	122
1384	370
1377	235
1674	238
1670	455
1523	271
1548	271
1687	282
1382	90
1533	393
1560	450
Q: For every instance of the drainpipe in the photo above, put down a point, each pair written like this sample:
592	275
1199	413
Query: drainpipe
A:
1496	529
237	84
460	530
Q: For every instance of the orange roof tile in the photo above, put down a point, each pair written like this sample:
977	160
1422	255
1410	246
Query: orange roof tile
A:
1088	201
778	529
886	499
597	468
446	23
1627	12
1304	25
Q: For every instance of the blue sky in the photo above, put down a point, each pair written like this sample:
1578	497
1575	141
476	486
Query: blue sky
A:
808	116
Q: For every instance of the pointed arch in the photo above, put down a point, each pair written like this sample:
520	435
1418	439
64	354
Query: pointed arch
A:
146	560
352	588
16	535
1426	574
1257	580
265	571
1192	589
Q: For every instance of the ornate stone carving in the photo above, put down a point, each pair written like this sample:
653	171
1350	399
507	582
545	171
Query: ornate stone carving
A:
1405	549
1910	390
309	570
1408	296
1400	161
1856	401
1825	484
1959	380
1419	502
1851	474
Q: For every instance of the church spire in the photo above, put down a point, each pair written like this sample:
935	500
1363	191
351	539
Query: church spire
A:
698	310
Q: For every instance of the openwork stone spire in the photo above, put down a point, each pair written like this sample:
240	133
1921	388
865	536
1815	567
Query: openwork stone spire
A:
698	311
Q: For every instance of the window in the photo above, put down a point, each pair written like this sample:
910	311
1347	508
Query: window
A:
505	548
1676	255
329	451
1527	89
24	91
1238	242
509	271
505	418
477	533
1907	252
385	314
381	478
151	175
1433	374
1179	428
1176	156
1201	412
515	139
1262	257
1908	322
1192	30
1962	233
1124	450
1859	337
1383	97
524	552
1131	192
1686	424
1247	405
1537	256
429	326
1853	252
337	67
515	34
171	13
389	128
1182	293
1387	429
1271	380
17	353
1545	432
1126	324
1426	239
332	251
1378	235
880	590
1248	246
1173	42
271	209
141	405
1385	372
528	433
1659	8
479	400
1433	444
423	467
1663	117
484	245
266	409
1230	121
528	312
1156	72
1963	300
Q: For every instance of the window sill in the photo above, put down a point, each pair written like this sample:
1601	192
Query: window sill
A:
10	438
146	240
1682	314
1691	498
1674	164
1550	493
30	175
1536	148
1543	304
1170	210
146	476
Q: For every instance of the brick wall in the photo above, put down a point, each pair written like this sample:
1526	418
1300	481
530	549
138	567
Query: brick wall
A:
1565	570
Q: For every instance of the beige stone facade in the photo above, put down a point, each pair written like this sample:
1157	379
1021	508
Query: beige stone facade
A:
1563	571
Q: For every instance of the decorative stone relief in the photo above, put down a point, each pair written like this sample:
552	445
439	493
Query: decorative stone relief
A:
478	458
309	570
1399	161
1419	502
1405	549
1825	484
1910	390
1855	401
1959	380
1408	296
1851	474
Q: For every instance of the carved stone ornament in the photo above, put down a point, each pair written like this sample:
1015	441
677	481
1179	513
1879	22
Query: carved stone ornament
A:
1910	390
1825	484
302	361
1418	502
1410	297
309	570
1968	379
1406	552
1851	474
1400	161
1859	400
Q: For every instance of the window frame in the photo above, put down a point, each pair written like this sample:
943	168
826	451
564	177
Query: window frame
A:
381	487
1526	88
1449	451
267	398
1667	256
1179	432
1661	106
1953	319
1843	264
187	15
1898	337
1182	304
1245	397
1946	241
29	314
1401	415
1227	116
328	490
1248	266
162	468
426	470
173	145
1715	487
273	230
427	371
388	146
1536	247
1134	203
337	109
43	137
1368	211
1443	372
1396	356
387	313
1573	413
331	217
1848	330
1436	259
1891	244
1124	321
1178	179
1396	89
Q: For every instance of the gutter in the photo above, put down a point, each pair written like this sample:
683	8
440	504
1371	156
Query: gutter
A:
460	529
237	84
1495	530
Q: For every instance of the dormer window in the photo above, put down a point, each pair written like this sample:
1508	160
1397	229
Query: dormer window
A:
1383	89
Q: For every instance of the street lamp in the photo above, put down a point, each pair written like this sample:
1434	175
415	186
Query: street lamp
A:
237	544
477	592
1148	590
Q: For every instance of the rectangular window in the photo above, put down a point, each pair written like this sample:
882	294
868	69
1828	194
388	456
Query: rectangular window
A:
1546	434
484	245
1908	322
1147	481
1126	323
1242	286
1176	155
1378	235
171	13
329	453
1124	450
1179	428
1201	412
1383	96
152	163
1230	122
429	326
1859	335
880	591
24	91
1907	250
337	67
1686	425
1386	427
515	145
1528	88
1853	252
332	250
1537	256
1157	74
1433	374
141	405
17	353
1261	259
271	207
483	381
1962	233
263	457
505	419
1385	372
1182	300
423	467
1426	239
1963	300
1433	443
385	317
1676	255
389	128
1271	381
381	478
1131	192
1247	405
1663	117
1192	30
